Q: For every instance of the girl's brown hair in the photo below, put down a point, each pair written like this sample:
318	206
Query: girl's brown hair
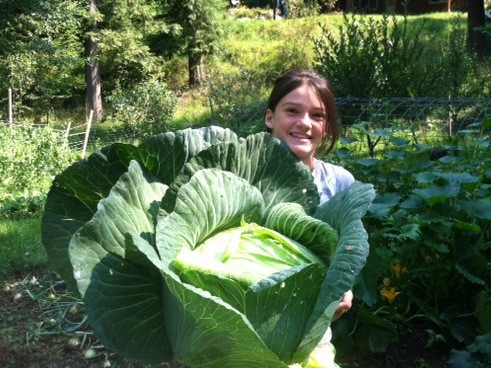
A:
298	77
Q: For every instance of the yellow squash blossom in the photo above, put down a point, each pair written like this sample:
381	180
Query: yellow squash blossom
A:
389	293
398	270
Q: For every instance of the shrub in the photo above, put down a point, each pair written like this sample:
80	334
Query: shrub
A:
143	110
29	158
234	103
370	57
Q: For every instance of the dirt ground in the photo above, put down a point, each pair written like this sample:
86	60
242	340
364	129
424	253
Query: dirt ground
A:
43	326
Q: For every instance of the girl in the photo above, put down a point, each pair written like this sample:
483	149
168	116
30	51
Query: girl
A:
301	113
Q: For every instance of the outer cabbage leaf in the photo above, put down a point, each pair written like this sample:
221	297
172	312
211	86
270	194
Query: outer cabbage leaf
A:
344	213
73	197
265	163
120	287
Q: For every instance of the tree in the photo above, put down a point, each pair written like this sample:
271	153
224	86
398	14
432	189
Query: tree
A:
92	75
124	32
40	49
195	26
475	24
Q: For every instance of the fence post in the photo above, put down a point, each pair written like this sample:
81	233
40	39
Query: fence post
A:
87	131
67	134
11	118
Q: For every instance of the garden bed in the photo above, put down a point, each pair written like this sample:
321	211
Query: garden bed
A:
39	316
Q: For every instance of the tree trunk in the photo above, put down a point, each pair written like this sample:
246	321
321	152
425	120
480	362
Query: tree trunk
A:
475	20
92	75
196	68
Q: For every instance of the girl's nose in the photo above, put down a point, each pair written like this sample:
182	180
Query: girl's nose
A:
305	121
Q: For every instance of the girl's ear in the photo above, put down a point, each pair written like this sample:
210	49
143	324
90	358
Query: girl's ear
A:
268	119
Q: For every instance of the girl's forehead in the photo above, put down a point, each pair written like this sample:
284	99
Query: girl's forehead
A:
304	95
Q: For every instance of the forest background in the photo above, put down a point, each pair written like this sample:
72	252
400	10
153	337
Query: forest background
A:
145	67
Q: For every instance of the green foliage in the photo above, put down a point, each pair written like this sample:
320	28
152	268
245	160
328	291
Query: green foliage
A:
301	8
29	159
251	13
308	8
123	35
389	57
195	27
234	103
370	57
430	239
40	51
144	110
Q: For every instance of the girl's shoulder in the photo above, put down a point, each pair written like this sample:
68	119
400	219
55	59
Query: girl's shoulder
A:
332	171
331	179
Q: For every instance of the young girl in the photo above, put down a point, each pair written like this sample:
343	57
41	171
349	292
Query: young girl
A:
301	113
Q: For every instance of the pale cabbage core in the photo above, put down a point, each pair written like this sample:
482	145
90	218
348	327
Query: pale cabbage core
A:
247	254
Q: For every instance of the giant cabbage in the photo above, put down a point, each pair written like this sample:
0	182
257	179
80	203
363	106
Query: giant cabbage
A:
201	247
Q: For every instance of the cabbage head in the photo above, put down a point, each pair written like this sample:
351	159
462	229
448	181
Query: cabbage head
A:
201	247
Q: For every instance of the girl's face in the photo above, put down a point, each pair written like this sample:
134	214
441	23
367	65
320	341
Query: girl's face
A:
299	120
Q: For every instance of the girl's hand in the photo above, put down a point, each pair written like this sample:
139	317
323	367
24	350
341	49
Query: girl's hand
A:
344	305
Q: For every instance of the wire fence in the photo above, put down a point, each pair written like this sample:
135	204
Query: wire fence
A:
451	114
448	115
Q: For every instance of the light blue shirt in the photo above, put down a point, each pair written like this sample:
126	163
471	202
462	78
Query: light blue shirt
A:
330	179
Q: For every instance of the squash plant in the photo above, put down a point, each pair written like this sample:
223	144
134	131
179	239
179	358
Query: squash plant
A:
205	248
430	244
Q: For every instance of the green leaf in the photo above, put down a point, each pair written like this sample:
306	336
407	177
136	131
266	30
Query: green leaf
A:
480	209
73	198
471	263
264	162
120	288
212	201
368	162
438	193
483	310
164	155
411	231
291	220
286	299
375	334
482	345
344	213
207	332
75	193
462	359
383	204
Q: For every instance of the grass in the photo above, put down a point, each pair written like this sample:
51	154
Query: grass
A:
20	246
